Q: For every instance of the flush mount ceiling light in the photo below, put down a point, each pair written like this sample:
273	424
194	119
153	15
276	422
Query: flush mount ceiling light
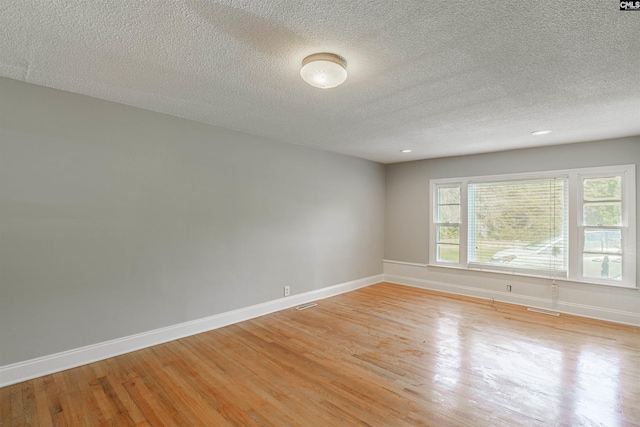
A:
406	150
324	70
540	132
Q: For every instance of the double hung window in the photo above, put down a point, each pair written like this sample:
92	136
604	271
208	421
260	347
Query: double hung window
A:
448	223
602	229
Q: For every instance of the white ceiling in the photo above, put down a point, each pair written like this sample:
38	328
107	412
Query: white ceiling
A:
442	78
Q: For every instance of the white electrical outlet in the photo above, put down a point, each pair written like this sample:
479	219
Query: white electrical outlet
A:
287	291
508	288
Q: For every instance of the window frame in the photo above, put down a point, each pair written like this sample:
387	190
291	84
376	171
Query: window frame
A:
626	227
575	232
511	270
438	224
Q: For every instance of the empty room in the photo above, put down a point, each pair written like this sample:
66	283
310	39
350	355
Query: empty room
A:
319	213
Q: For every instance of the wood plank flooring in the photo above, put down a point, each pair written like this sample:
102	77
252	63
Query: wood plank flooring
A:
385	355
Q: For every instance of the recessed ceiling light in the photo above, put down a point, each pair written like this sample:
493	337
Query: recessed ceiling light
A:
406	150
540	132
324	70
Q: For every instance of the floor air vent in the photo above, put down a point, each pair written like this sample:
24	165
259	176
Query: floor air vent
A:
540	310
305	306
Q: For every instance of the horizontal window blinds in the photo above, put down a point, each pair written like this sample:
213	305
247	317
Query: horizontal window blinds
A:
519	225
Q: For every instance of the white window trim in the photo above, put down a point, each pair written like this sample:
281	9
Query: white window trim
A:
433	225
575	235
627	227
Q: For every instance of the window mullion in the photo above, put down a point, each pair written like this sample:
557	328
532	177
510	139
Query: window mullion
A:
576	230
464	224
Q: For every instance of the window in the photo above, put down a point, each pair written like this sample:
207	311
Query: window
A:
519	224
448	224
577	224
601	228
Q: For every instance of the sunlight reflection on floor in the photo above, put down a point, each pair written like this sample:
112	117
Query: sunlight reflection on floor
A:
596	401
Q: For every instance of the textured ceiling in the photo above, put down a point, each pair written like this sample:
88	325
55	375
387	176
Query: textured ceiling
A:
439	77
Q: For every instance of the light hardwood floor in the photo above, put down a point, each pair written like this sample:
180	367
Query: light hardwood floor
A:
385	355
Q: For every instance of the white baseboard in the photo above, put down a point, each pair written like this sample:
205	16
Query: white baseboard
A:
23	371
599	313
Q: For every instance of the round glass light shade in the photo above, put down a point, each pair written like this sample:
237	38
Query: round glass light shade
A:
324	70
